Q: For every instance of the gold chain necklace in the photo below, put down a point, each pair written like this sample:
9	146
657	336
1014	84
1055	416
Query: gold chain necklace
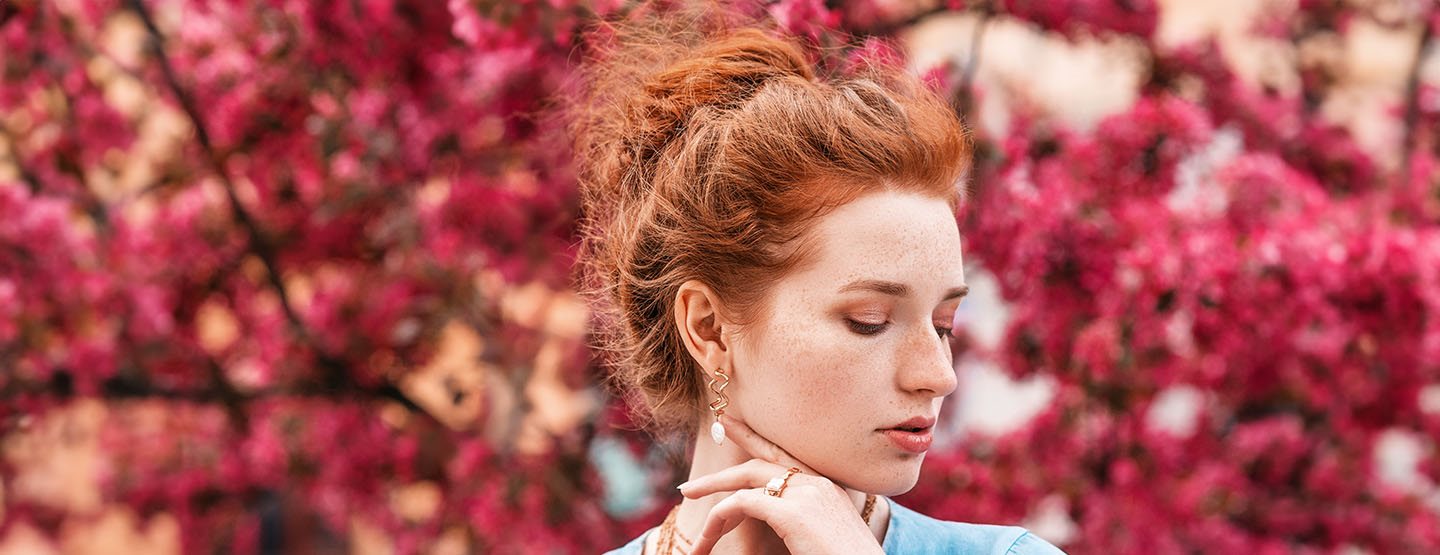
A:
666	544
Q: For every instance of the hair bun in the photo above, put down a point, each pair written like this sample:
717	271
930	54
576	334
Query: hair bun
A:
720	76
649	80
723	74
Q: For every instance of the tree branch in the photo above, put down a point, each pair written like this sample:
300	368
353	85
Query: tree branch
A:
259	243
334	376
1412	98
964	99
135	387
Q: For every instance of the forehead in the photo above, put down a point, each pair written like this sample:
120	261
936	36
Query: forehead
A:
896	236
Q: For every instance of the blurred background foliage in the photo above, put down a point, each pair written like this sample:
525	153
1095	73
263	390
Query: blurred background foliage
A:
295	276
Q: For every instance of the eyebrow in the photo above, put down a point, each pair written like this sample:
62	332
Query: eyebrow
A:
898	289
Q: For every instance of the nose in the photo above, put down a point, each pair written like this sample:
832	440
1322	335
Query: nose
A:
926	366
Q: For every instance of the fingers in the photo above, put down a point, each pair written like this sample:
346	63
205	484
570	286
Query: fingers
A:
747	480
729	513
758	446
754	473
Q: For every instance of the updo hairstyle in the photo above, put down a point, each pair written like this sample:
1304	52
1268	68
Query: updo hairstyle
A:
705	151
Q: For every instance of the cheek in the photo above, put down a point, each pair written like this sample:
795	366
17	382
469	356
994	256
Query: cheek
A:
819	371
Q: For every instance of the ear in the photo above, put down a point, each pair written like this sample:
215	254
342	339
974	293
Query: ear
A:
699	316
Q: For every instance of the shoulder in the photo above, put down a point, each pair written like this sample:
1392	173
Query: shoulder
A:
635	547
911	532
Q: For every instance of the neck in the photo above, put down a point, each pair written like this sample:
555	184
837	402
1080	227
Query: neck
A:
752	536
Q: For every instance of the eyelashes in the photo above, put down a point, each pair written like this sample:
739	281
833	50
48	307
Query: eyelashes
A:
865	328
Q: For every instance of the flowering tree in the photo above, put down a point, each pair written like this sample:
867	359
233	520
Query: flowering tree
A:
1293	291
261	216
257	234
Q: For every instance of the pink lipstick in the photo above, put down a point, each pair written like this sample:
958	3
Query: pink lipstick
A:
912	435
914	442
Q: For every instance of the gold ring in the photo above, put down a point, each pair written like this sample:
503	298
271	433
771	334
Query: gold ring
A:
778	483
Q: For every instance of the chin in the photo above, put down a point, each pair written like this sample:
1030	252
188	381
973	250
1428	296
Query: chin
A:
902	486
888	482
892	488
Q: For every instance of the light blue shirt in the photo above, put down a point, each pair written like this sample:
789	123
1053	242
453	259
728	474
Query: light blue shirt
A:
912	533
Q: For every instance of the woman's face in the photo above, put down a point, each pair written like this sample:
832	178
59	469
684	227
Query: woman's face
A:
856	341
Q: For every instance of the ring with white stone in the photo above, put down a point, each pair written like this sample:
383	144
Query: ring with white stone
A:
776	486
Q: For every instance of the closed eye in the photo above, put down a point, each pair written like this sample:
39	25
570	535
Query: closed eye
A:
865	328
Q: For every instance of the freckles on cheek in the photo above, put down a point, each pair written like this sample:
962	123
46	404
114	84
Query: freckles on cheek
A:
820	359
796	362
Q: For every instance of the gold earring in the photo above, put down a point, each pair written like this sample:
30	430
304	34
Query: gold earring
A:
717	430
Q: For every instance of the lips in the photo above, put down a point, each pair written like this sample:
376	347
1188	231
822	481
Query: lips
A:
912	435
916	424
912	442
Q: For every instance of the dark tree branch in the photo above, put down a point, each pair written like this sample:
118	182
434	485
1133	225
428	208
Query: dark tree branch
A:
1412	98
964	99
137	387
259	243
334	376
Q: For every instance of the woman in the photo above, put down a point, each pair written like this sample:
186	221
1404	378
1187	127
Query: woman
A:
776	263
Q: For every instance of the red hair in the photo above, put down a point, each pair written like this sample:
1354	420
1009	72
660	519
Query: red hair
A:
706	155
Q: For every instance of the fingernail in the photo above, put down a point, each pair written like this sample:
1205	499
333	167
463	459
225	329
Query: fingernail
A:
682	486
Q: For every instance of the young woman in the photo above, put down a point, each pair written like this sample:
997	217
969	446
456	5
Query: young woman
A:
776	261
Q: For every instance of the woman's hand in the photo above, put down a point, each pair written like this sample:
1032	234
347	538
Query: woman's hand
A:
812	515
